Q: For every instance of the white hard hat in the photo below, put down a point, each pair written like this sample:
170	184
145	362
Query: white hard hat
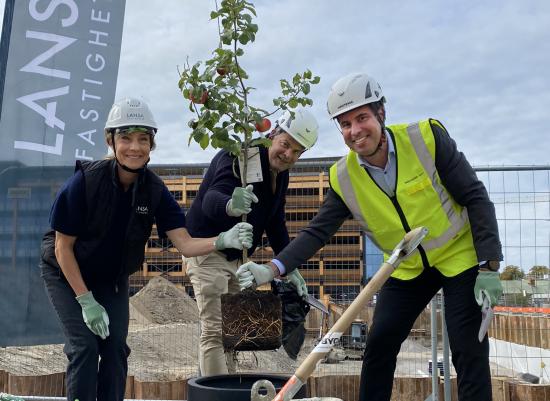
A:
128	112
302	126
352	91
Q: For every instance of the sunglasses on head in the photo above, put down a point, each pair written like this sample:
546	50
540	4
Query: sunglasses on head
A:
129	130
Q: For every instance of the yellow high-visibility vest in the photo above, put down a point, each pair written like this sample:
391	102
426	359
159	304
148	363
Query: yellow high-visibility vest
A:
420	200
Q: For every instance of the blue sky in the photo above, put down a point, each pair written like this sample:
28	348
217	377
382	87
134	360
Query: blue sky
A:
479	67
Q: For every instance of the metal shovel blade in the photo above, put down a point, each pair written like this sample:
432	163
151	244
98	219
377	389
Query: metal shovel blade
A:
407	246
413	239
311	300
486	318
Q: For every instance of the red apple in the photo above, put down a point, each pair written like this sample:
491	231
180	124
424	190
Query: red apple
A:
201	100
263	125
222	70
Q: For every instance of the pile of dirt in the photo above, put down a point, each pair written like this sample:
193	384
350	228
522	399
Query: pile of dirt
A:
164	352
162	302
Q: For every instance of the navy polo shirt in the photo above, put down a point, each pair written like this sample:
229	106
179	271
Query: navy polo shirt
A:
68	216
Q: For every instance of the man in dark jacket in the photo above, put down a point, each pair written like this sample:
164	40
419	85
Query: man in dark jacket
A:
220	203
396	178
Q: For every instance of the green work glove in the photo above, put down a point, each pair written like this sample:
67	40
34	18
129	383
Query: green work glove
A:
9	397
240	201
296	279
95	316
239	236
253	275
488	285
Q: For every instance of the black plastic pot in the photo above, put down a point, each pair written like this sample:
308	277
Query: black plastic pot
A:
232	387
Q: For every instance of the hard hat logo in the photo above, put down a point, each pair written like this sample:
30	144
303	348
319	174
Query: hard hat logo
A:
368	92
133	102
130	111
301	125
136	116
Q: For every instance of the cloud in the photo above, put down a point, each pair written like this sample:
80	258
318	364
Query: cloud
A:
479	67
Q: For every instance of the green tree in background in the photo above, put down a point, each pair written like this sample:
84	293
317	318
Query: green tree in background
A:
512	272
539	271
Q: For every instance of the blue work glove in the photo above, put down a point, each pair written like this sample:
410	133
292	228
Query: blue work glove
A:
240	201
253	275
239	236
95	316
296	279
488	285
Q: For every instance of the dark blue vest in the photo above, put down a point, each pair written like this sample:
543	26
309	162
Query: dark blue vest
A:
101	191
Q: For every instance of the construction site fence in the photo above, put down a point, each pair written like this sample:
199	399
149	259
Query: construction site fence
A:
165	349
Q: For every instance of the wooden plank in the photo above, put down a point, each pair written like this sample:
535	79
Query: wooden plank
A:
495	327
454	389
545	332
510	327
345	387
3	381
129	391
506	330
502	327
533	325
52	385
515	330
501	388
170	390
310	383
525	328
411	388
529	392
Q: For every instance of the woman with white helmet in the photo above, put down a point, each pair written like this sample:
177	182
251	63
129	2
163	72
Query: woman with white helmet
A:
396	178
101	220
220	203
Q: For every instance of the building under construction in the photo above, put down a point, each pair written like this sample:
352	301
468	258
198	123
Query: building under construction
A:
338	270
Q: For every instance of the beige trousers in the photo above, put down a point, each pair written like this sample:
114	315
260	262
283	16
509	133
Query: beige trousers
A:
211	276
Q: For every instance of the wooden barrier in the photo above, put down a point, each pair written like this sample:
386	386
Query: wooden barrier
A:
168	390
412	388
530	330
345	387
44	385
501	388
529	392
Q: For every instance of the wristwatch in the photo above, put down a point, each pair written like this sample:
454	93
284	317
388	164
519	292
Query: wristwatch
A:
492	265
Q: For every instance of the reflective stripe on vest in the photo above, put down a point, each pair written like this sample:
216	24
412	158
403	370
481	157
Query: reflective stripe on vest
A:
457	220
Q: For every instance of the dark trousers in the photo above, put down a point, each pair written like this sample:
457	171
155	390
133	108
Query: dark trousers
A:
398	305
97	368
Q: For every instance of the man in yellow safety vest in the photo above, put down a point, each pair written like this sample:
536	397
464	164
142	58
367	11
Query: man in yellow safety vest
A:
396	178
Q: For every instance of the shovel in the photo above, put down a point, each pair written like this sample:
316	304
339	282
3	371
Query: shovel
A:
408	245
